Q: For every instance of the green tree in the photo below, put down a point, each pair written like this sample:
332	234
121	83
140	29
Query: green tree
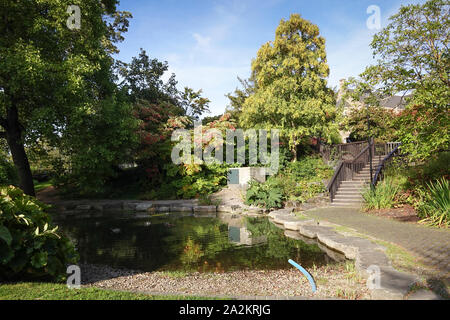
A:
291	89
192	103
237	98
143	81
381	124
413	56
53	78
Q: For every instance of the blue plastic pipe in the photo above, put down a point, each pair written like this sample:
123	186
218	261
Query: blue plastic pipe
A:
307	275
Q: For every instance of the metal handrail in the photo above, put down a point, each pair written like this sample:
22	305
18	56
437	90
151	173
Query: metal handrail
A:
346	169
381	165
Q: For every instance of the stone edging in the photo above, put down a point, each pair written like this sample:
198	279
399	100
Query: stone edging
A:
94	207
394	285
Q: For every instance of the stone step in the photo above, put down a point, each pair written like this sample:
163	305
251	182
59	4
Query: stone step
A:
347	200
349	191
348	194
353	184
351	205
349	182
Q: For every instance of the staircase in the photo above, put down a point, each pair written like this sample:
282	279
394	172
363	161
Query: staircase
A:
349	191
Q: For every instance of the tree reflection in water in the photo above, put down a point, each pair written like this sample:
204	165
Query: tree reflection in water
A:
174	242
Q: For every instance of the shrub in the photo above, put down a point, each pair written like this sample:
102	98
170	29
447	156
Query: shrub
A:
381	197
268	194
309	168
30	246
8	173
434	209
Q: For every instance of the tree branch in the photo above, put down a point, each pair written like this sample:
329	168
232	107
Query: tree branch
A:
2	134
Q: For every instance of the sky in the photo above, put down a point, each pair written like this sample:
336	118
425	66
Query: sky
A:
209	43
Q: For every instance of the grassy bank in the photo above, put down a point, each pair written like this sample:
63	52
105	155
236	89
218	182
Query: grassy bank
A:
52	291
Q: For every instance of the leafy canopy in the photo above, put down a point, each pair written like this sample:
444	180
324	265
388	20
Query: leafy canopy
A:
413	56
290	79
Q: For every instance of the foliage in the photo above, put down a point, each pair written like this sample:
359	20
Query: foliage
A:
142	80
422	173
381	124
238	97
297	181
291	92
311	168
268	194
56	82
381	197
304	179
8	173
192	103
30	247
413	57
423	130
434	209
87	167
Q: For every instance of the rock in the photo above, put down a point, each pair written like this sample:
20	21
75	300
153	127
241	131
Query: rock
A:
83	207
223	208
143	206
130	206
162	209
178	208
205	209
113	206
97	207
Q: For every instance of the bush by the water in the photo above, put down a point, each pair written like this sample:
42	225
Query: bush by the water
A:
296	181
268	194
30	246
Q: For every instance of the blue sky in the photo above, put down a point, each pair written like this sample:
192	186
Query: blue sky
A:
208	43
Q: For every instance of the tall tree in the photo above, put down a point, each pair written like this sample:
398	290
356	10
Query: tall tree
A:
143	80
238	97
291	84
50	74
413	56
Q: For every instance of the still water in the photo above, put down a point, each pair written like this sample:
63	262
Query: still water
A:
173	242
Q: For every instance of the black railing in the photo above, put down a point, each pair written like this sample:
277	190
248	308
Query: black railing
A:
379	174
344	151
346	170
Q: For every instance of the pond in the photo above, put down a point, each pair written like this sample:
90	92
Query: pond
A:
176	242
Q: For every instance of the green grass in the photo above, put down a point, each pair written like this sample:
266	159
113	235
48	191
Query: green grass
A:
52	291
38	186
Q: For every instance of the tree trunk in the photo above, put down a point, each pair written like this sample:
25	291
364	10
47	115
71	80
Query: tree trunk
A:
294	149
16	146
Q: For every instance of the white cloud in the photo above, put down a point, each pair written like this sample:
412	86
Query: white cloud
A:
202	42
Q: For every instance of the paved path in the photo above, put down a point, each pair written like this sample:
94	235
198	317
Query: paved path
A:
431	246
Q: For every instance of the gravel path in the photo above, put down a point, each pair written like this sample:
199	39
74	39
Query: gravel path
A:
332	282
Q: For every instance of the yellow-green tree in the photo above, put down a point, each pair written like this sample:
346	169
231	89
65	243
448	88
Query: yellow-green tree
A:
291	92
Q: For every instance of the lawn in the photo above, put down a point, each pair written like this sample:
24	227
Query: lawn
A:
52	291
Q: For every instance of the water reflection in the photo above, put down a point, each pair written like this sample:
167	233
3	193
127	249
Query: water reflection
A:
176	242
